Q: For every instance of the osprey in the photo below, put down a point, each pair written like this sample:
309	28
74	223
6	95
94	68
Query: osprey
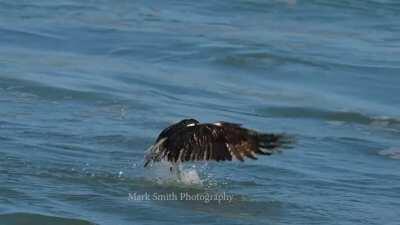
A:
190	140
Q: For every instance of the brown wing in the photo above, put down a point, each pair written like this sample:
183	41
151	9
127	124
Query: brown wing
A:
220	141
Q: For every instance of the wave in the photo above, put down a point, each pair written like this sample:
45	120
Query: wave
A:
29	90
13	33
31	39
47	6
361	6
259	59
328	115
262	59
393	153
22	218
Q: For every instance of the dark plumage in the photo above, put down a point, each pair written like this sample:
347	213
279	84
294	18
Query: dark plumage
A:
189	140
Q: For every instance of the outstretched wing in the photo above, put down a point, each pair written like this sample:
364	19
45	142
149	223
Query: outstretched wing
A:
220	141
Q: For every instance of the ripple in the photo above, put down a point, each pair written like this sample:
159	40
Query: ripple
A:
233	205
22	218
328	115
51	93
264	59
27	34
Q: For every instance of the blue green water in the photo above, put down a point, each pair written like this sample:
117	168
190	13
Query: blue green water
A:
86	86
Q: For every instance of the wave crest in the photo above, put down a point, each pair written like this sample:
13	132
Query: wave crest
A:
393	153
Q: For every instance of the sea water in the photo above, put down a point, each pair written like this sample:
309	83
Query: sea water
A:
86	87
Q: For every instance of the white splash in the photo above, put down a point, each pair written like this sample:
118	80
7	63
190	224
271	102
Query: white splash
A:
165	173
120	174
190	177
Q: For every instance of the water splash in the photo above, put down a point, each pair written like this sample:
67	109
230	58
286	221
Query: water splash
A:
167	174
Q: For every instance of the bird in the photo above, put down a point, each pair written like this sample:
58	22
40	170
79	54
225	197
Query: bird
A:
190	140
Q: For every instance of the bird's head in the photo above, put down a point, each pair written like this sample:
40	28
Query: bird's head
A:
188	122
179	125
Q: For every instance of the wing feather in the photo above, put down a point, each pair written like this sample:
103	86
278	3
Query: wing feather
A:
219	141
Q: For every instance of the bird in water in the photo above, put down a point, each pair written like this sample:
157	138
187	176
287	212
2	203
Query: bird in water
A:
190	140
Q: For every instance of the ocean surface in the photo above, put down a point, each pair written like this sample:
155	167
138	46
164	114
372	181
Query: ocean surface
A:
86	86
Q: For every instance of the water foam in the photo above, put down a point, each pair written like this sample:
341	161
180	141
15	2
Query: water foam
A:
393	152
